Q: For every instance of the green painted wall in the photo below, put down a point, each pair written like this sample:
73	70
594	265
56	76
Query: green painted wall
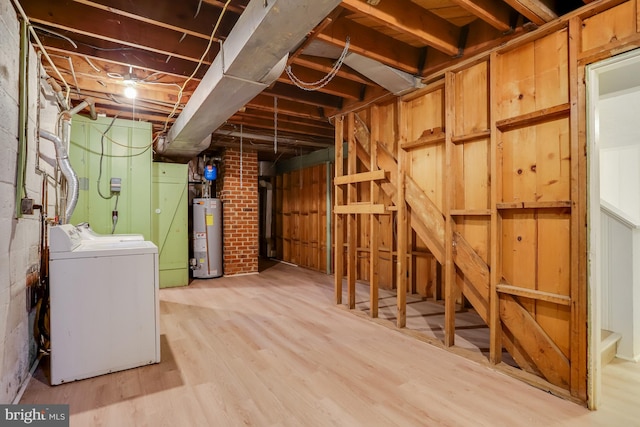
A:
170	221
126	154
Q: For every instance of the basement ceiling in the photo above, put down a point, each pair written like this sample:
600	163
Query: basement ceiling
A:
163	49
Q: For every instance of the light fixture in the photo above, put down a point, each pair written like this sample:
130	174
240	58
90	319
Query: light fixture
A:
130	92
130	80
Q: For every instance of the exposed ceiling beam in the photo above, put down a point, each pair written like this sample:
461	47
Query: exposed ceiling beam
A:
220	4
337	86
121	102
537	11
179	17
118	54
406	16
145	92
372	44
122	113
264	102
492	12
232	133
234	142
284	126
119	29
292	93
100	70
325	65
287	118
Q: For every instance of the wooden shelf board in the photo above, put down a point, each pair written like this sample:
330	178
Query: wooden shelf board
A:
470	212
471	137
534	205
506	288
529	119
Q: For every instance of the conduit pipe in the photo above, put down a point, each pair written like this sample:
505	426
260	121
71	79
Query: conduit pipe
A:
57	89
64	164
22	119
61	144
87	102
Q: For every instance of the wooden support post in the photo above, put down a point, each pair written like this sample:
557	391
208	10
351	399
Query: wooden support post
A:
401	226
329	210
375	219
338	234
579	266
449	266
495	326
402	252
352	229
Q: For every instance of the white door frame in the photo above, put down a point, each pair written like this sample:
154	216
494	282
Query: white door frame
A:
593	73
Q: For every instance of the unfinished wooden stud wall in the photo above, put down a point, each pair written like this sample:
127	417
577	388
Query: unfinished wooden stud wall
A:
485	178
301	217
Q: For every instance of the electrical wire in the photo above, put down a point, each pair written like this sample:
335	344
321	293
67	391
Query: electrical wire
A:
319	84
101	158
206	51
116	156
114	217
48	31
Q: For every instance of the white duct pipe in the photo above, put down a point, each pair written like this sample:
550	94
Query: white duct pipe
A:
87	102
65	165
61	144
57	89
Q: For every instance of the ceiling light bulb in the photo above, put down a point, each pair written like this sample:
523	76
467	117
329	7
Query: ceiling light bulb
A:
130	92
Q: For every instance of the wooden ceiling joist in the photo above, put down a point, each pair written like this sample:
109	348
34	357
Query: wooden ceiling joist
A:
337	86
407	17
496	14
95	43
325	65
231	7
264	102
372	44
179	17
537	11
118	54
119	29
292	93
283	126
286	118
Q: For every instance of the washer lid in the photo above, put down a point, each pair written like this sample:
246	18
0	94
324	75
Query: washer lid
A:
64	238
87	233
96	248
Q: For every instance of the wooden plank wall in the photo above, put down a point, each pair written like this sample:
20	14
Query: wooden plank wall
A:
491	159
301	217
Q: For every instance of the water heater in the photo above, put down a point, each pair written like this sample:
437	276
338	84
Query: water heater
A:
207	238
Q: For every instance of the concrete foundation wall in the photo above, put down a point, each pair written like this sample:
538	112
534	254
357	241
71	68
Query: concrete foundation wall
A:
19	237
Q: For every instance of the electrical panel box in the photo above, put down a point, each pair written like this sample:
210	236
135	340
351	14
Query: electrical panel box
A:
116	185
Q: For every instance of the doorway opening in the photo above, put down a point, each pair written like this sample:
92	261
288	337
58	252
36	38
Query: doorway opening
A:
613	140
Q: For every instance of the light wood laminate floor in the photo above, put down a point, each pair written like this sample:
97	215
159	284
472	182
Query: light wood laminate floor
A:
273	350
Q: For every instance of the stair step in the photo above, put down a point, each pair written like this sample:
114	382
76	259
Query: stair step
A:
609	346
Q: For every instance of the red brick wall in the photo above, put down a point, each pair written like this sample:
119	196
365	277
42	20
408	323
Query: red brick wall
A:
240	211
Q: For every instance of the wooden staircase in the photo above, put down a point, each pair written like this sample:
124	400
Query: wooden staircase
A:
539	356
608	346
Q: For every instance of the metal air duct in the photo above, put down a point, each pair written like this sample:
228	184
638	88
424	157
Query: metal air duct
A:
393	80
253	56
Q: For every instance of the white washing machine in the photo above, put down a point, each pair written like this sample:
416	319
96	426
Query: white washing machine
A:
87	233
104	305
